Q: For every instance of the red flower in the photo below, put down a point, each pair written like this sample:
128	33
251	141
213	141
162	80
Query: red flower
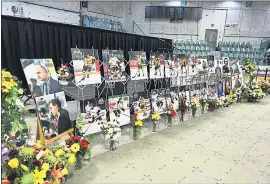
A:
5	182
84	144
77	138
173	113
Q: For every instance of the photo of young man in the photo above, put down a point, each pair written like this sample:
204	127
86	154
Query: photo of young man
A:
225	68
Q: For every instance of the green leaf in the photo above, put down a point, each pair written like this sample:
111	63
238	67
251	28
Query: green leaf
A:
89	152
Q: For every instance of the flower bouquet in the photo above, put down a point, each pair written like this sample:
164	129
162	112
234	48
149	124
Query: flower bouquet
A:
232	97
212	104
155	118
80	146
112	132
137	126
203	103
265	85
64	74
195	105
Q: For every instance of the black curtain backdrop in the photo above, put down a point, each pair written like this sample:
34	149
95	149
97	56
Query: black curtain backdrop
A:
27	38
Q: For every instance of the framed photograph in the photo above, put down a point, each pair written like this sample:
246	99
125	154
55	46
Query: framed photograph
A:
94	116
114	65
235	68
183	65
157	61
54	116
41	76
171	65
226	66
86	65
138	65
119	109
158	99
218	66
142	105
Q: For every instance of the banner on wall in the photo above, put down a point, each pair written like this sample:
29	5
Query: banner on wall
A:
54	120
86	65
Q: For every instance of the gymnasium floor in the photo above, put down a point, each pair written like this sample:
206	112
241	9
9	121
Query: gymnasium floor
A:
230	145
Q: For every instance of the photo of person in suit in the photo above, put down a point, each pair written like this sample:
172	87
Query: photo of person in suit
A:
225	67
60	120
49	85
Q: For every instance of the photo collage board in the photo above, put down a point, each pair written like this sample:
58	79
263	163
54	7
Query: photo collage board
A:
53	116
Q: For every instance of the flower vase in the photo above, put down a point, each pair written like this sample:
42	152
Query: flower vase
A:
136	135
169	120
202	109
182	117
71	170
154	126
193	112
112	145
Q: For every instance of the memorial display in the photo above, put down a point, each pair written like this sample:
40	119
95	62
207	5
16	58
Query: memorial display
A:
86	65
138	65
114	65
158	99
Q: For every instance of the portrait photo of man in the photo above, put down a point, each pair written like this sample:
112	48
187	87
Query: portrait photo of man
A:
225	68
49	85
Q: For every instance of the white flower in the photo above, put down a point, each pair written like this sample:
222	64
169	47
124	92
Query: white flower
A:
19	103
20	91
110	131
107	136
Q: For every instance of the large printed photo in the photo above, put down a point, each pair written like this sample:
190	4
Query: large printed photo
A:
156	65
138	65
41	76
171	65
53	114
142	105
119	109
158	100
94	114
114	65
86	65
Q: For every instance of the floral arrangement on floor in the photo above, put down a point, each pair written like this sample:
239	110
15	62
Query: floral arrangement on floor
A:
195	105
13	111
232	97
212	104
137	126
28	162
220	103
112	132
265	85
203	102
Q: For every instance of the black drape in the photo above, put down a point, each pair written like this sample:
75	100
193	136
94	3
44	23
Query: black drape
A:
26	38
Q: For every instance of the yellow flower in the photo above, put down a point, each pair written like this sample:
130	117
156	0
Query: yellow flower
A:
156	116
39	176
139	123
65	171
13	163
59	152
71	159
45	166
25	168
75	147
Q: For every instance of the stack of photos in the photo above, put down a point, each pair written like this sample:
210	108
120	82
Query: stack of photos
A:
114	65
158	99
119	109
94	116
50	99
138	65
86	65
142	105
171	65
156	65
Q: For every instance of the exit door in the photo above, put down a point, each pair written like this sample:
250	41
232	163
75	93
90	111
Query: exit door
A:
211	38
